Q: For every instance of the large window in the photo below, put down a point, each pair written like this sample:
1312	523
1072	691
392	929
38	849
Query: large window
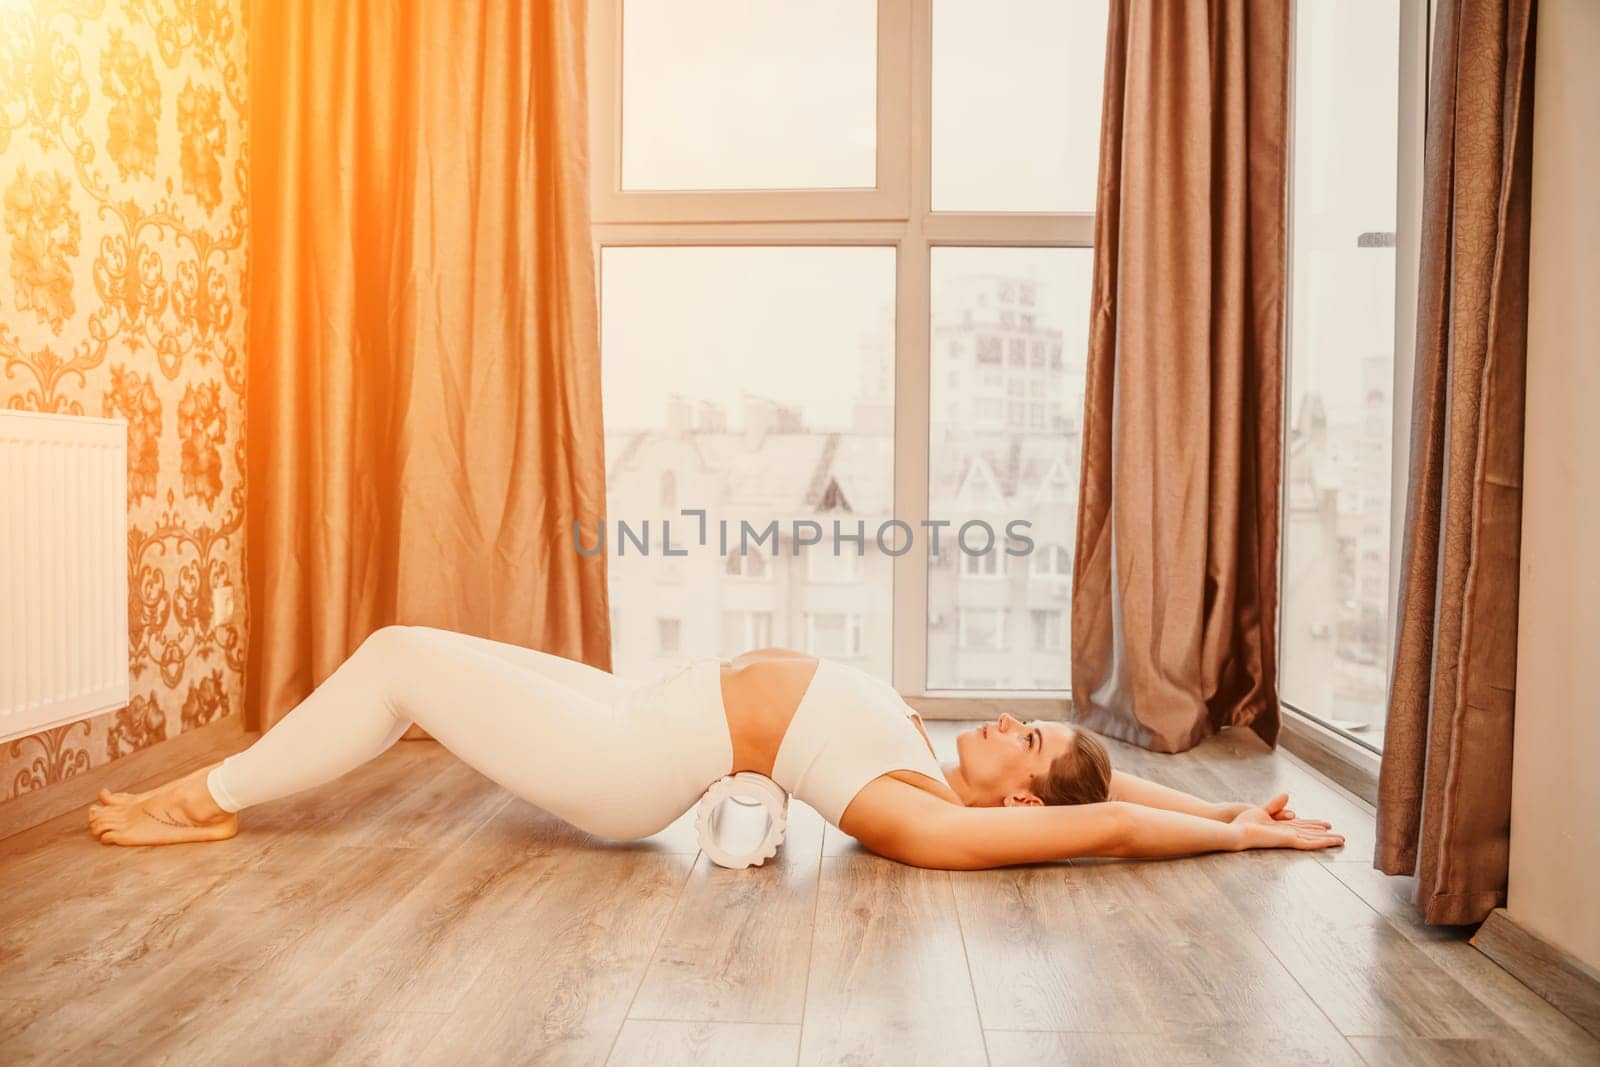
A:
844	262
1342	504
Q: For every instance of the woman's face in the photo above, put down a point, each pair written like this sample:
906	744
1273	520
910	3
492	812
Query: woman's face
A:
1000	759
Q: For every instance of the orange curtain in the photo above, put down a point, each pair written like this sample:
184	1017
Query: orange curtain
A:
423	397
1175	590
1444	789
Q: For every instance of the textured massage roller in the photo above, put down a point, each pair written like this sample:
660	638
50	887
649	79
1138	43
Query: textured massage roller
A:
741	820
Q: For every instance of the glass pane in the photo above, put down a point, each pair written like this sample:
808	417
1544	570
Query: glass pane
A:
1337	503
1016	104
1009	336
749	94
758	384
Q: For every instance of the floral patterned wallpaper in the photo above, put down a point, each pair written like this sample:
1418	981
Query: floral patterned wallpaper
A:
123	275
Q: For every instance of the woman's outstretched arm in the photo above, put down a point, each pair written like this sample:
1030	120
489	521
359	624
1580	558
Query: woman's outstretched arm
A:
1136	790
914	826
978	838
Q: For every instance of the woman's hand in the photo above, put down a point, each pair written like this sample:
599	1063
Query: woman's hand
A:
1277	807
1265	826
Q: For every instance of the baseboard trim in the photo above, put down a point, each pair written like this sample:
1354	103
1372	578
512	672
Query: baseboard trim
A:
1557	976
1343	761
192	748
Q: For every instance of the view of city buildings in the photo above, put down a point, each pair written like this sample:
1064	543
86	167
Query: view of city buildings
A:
1008	336
1006	355
1335	590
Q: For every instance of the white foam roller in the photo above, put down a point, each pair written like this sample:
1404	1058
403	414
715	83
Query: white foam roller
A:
741	820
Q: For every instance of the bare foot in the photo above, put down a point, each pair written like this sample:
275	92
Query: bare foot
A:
182	810
108	797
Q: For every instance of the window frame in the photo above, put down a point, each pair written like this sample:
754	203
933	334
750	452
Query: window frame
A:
896	214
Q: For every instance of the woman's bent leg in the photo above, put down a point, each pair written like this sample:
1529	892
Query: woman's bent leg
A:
559	748
344	722
592	682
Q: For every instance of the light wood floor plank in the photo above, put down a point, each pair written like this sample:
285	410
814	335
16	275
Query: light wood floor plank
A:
1368	978
889	979
426	952
418	956
1558	1039
79	912
1222	1046
1443	1052
125	912
558	985
738	946
372	1038
1117	946
663	1043
198	954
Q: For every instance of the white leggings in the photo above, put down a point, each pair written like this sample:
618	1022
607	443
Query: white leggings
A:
621	758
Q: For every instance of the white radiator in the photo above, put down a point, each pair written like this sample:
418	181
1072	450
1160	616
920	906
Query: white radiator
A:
63	569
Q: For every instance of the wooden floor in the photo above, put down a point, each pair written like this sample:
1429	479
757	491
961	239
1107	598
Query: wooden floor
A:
413	912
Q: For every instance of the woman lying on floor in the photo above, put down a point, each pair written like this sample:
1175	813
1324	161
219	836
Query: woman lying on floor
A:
623	758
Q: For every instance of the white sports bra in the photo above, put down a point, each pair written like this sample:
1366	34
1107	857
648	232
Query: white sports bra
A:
848	729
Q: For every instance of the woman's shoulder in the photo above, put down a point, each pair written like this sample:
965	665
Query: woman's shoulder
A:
889	814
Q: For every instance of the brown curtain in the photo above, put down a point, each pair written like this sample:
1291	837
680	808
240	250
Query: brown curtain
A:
423	399
1175	587
1444	790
